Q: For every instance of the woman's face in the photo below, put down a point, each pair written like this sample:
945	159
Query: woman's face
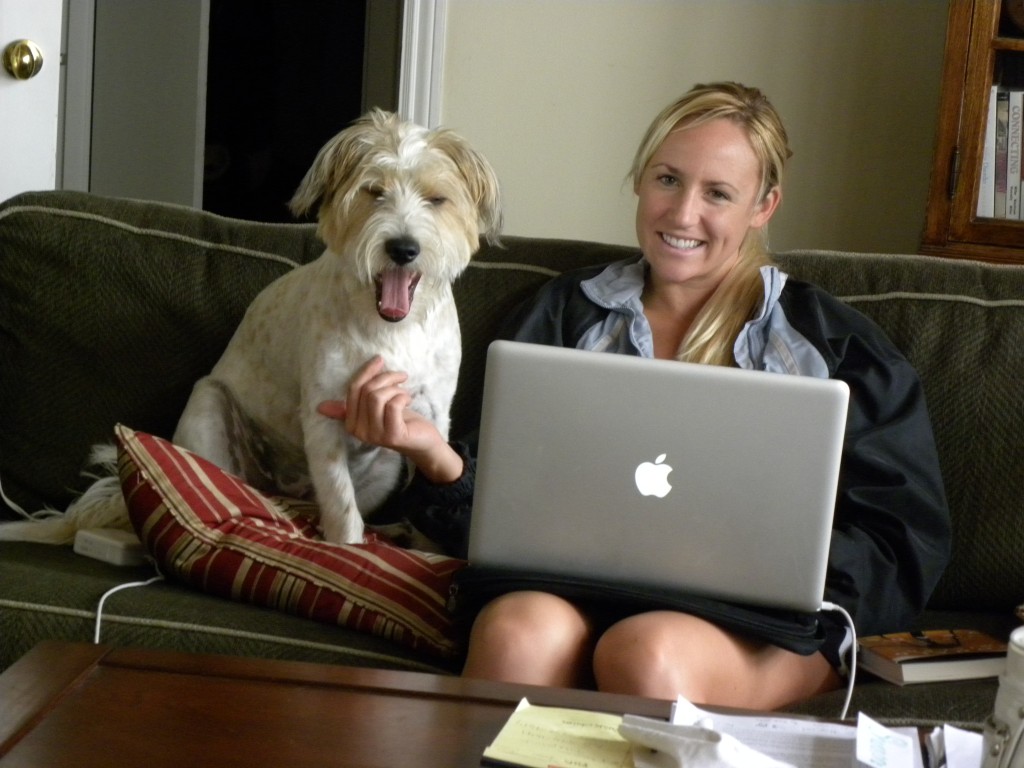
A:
697	199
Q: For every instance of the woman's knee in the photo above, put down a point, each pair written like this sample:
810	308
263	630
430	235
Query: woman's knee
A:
530	614
640	656
666	654
529	637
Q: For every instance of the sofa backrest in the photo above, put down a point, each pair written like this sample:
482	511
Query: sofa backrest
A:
961	323
109	312
498	279
111	309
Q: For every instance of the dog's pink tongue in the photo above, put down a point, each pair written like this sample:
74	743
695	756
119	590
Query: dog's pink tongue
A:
395	293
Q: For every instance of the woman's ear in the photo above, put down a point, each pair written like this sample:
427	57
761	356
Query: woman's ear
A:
765	209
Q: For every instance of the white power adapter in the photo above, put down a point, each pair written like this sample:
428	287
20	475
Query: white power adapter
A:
111	545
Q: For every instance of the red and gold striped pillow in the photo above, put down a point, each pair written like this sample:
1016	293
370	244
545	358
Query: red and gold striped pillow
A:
208	529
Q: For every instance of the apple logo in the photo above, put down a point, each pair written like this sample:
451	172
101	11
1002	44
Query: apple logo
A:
652	478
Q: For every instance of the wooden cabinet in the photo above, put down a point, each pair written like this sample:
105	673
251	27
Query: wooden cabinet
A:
984	47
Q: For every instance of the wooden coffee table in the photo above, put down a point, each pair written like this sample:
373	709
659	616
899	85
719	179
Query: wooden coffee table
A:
75	704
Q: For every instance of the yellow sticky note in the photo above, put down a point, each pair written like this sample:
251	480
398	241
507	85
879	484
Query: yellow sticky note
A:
552	737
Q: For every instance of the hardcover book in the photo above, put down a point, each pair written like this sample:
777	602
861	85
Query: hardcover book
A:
932	655
987	183
1013	156
1002	145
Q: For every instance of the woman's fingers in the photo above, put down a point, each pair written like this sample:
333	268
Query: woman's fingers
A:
333	409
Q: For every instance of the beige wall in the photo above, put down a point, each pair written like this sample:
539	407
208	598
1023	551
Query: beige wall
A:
558	92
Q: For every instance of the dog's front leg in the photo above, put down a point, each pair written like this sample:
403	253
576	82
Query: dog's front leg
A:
327	451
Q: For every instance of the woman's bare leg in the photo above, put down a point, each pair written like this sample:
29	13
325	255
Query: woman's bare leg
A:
662	654
531	637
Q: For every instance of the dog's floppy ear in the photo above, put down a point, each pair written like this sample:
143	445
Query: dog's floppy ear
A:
335	164
481	180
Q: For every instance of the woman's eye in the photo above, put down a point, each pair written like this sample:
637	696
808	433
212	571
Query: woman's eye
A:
667	180
717	194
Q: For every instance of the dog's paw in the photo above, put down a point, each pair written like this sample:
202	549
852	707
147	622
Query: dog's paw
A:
344	528
404	534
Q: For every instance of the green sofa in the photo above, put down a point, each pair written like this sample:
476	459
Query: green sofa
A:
110	309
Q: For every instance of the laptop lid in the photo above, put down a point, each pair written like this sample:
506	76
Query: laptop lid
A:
714	481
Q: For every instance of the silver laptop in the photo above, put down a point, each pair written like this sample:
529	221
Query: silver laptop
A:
714	481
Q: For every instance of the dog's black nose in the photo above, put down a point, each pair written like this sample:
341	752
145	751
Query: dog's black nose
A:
402	250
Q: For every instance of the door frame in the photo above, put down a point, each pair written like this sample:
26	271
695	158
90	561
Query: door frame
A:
422	61
75	134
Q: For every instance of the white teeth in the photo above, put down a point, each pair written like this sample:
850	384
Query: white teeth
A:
676	242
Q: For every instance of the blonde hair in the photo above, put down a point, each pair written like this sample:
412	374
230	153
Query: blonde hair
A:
714	330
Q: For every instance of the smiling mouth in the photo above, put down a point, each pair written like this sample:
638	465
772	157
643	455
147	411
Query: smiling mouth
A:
680	242
395	290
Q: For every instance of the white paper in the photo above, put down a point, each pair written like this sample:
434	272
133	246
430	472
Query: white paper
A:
952	747
664	745
881	747
799	741
964	749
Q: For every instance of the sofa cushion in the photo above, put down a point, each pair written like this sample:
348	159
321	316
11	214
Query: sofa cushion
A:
210	530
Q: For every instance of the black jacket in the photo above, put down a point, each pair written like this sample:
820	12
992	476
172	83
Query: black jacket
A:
891	534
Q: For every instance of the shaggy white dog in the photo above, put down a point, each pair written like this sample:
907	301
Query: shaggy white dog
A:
401	210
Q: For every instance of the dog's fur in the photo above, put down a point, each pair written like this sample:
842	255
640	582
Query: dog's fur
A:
401	210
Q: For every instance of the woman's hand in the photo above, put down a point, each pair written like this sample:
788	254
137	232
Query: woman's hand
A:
376	411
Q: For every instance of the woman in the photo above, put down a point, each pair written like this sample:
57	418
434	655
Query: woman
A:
707	177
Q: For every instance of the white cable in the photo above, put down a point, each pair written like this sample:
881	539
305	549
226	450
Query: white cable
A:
99	608
97	458
826	606
42	514
12	505
109	592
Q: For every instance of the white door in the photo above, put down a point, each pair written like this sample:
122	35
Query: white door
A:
30	109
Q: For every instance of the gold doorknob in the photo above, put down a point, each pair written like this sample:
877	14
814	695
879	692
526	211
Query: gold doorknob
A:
23	59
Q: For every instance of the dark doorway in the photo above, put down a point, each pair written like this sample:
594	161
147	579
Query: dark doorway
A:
283	77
